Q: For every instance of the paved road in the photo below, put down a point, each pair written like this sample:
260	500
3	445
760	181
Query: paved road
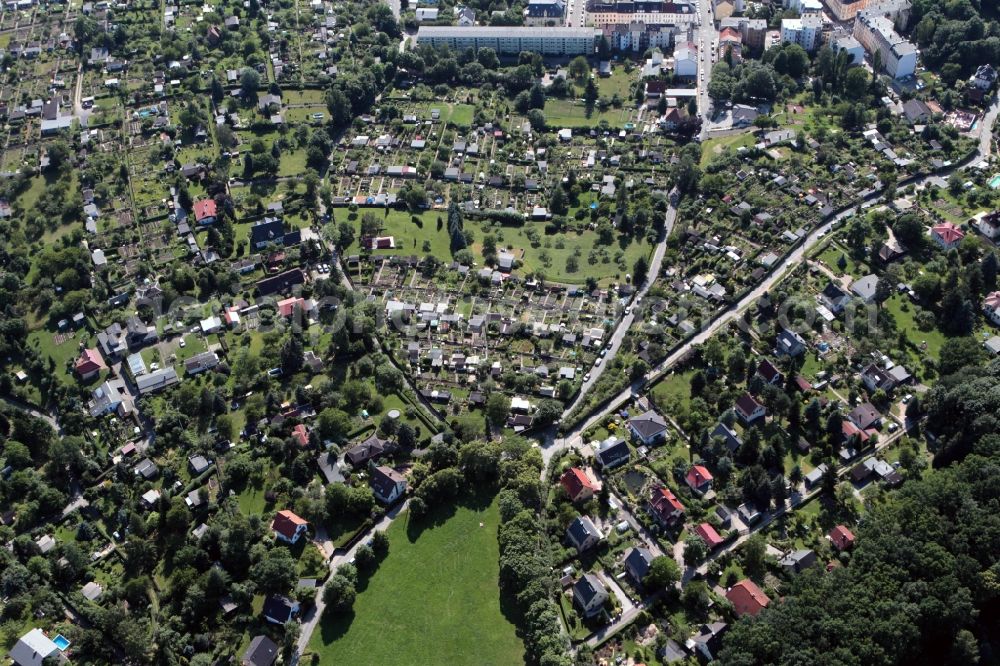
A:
551	446
30	409
655	264
705	37
576	13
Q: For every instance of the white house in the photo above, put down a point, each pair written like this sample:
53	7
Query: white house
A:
648	427
426	14
387	484
589	595
877	34
991	307
685	60
288	527
805	32
947	235
33	649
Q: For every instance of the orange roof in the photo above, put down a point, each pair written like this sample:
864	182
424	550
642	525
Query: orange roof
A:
841	537
204	208
575	480
730	34
89	361
663	498
286	523
948	232
698	476
747	598
301	435
708	535
287	306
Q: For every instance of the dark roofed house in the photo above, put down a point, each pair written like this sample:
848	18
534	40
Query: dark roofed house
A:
789	343
372	448
799	560
582	534
281	283
865	416
648	427
279	609
748	409
612	452
589	595
269	230
387	484
729	436
261	652
708	641
769	373
637	563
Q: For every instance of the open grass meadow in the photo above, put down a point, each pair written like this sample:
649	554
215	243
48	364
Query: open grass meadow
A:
433	600
421	234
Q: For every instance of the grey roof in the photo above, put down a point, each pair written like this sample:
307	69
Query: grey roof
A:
262	652
157	380
613	453
637	561
582	529
588	587
865	287
728	435
505	32
384	479
799	559
648	424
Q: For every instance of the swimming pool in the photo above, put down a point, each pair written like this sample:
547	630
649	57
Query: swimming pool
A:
995	181
61	642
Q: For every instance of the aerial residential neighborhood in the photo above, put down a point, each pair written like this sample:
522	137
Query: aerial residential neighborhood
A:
542	332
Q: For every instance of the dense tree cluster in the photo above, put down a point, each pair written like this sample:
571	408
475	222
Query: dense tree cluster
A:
923	584
955	36
525	569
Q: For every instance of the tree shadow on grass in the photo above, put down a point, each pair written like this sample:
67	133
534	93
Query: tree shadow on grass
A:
333	625
477	499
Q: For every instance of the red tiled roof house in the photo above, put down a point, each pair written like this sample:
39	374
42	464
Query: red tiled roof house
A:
577	484
747	598
288	527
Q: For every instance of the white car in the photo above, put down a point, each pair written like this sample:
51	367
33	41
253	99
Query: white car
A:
598	362
183	343
586	377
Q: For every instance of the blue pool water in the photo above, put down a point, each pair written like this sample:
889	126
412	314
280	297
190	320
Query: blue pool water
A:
995	181
61	642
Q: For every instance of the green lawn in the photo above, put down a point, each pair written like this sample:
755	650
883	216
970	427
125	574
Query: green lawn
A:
461	115
410	232
570	113
433	600
420	235
905	322
619	83
675	386
714	147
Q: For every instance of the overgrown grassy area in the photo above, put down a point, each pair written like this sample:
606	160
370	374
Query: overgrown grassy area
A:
433	600
714	147
421	234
